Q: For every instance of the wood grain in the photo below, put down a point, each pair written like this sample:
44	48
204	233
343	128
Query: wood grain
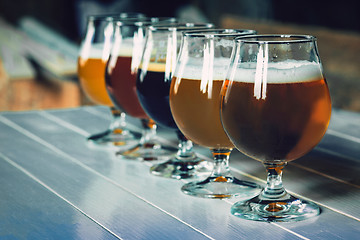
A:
126	201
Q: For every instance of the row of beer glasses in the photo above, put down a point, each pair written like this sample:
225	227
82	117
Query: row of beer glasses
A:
264	94
120	79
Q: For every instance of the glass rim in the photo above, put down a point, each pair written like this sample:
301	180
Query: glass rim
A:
163	26
116	16
219	32
145	21
275	38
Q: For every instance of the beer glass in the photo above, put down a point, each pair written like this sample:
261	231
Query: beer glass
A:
195	104
153	84
120	78
93	55
275	107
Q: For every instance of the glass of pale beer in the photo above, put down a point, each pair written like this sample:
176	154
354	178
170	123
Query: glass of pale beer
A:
93	55
154	77
195	104
120	78
275	107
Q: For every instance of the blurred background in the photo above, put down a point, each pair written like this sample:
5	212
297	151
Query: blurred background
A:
39	41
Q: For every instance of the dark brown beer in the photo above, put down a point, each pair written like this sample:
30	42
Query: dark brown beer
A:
196	111
283	124
153	92
121	86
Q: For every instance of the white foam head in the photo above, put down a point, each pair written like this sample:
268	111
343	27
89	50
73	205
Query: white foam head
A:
96	50
277	72
198	69
125	49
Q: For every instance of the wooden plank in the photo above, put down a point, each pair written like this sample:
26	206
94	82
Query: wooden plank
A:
93	120
308	179
28	94
13	62
345	122
341	169
20	87
115	207
132	180
338	154
51	51
30	210
336	189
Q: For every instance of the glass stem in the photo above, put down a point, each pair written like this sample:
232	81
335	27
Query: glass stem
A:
221	171
274	188
185	148
118	122
149	131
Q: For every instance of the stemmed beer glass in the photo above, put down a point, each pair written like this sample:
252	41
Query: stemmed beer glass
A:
120	78
195	105
275	108
153	84
93	55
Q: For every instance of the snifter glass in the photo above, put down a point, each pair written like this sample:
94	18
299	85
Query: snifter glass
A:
153	84
120	78
195	104
93	55
275	107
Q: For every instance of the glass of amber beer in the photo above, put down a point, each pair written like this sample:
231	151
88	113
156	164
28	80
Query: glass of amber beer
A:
93	55
120	78
153	84
195	104
275	107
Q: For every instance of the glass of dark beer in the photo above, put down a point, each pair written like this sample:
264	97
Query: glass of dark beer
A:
161	49
275	107
120	78
195	105
93	55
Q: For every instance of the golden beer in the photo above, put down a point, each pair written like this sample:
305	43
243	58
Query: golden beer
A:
197	112
91	73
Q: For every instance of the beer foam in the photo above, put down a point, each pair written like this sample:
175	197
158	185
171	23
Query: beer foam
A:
99	50
95	50
197	69
155	67
126	48
279	72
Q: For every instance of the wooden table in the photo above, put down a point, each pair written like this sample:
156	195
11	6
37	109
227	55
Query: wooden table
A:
54	185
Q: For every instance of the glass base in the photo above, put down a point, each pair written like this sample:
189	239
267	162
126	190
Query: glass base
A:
115	138
286	209
222	187
182	168
148	152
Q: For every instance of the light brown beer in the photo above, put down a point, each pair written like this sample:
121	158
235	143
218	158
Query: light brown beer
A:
284	123
197	112
91	73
